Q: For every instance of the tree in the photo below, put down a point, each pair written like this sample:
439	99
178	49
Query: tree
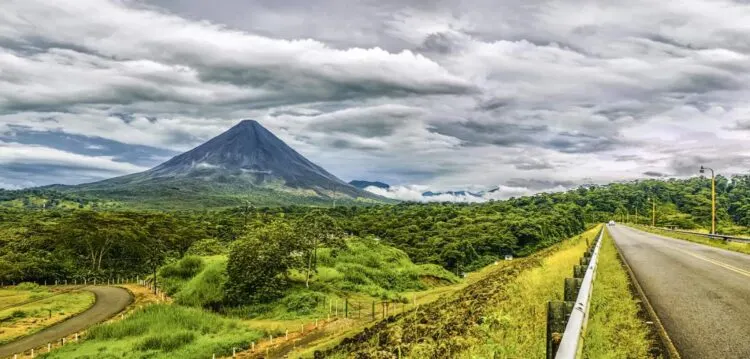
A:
98	232
259	264
318	230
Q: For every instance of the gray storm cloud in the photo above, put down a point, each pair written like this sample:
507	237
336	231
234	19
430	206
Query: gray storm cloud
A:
448	94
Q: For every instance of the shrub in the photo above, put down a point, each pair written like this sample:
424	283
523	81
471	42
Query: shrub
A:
166	342
207	247
206	288
185	268
18	314
303	303
29	286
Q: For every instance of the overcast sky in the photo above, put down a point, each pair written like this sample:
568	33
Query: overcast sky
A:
528	95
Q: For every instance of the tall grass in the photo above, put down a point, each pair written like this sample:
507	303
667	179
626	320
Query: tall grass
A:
206	288
164	331
376	269
614	329
515	327
195	281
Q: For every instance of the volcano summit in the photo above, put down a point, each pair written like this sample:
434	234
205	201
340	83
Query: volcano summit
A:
245	163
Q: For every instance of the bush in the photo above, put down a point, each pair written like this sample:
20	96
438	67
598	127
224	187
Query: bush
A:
207	247
206	288
29	286
166	342
17	314
303	303
259	264
185	268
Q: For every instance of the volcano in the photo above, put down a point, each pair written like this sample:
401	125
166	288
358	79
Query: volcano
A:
247	163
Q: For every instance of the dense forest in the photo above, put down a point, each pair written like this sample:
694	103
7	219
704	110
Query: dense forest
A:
45	242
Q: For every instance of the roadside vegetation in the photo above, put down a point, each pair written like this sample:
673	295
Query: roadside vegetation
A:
514	324
43	308
164	331
501	314
616	327
718	243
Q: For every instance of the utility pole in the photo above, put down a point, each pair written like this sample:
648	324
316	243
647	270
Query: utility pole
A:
636	215
713	198
653	212
713	203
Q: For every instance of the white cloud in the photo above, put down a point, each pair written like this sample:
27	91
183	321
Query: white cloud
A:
450	94
416	193
15	153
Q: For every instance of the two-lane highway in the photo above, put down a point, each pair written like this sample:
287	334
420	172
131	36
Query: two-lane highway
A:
700	293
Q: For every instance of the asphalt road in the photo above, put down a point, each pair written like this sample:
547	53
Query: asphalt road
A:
700	293
109	301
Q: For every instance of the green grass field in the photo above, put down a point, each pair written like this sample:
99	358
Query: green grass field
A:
614	329
164	331
22	320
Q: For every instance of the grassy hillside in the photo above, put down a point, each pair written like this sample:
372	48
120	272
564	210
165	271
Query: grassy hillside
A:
514	322
366	268
500	315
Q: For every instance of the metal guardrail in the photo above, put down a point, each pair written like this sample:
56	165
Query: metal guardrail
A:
566	319
571	344
723	237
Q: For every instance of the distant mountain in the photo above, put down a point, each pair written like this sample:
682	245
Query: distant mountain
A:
245	163
364	184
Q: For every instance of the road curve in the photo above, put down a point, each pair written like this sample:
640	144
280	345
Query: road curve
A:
109	301
700	293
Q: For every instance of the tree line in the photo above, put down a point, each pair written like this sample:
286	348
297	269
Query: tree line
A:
48	244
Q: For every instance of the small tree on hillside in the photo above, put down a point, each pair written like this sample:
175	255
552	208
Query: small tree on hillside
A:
318	230
258	266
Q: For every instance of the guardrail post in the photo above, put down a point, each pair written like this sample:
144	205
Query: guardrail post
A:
572	287
579	271
585	261
557	317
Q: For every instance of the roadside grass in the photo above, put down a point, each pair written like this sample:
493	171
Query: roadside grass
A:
474	321
30	318
614	329
163	331
718	243
515	325
416	298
